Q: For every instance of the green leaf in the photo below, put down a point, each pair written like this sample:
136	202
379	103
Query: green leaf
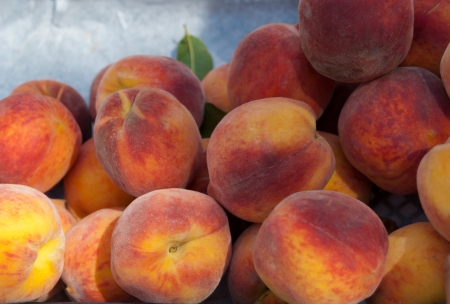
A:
192	52
211	117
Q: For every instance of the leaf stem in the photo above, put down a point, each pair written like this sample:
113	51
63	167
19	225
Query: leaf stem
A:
191	48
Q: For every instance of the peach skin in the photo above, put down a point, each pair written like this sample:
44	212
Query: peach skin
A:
67	219
93	91
215	87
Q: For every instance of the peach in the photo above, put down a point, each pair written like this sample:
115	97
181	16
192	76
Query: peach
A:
39	140
431	34
145	139
139	71
67	219
269	62
87	186
171	246
243	282
93	91
215	87
67	95
414	271
321	246
87	262
263	151
200	180
444	69
388	124
346	179
432	184
355	41
31	244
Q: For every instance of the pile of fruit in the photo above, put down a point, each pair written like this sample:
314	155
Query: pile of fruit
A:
258	173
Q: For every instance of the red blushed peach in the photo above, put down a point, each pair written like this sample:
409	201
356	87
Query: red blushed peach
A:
321	247
200	180
346	179
355	41
171	246
87	271
263	151
388	124
93	91
145	139
444	68
215	87
87	186
31	244
39	140
67	219
269	62
67	95
414	271
139	71
243	282
431	34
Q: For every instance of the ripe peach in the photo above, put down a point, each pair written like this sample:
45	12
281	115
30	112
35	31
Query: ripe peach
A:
215	87
444	69
171	246
31	244
263	151
67	219
145	139
139	71
373	40
39	140
93	91
87	186
388	124
200	180
321	246
269	62
414	271
67	95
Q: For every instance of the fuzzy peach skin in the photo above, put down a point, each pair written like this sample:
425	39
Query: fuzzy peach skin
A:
200	180
269	62
388	124
444	69
243	282
139	71
67	95
87	186
31	244
321	246
39	140
145	139
346	179
215	87
433	175
263	151
67	219
171	246
87	262
414	271
355	41
93	91
431	34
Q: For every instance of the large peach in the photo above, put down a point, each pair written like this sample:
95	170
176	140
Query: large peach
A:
355	41
171	246
263	151
321	246
139	71
269	62
31	244
388	124
215	87
145	139
414	271
87	186
93	91
39	140
87	261
67	95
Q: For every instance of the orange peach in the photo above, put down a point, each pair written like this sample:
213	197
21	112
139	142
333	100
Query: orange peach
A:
31	244
321	246
67	95
93	91
171	246
355	41
215	87
263	151
269	62
67	219
39	140
346	179
388	124
145	139
139	71
414	271
87	186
